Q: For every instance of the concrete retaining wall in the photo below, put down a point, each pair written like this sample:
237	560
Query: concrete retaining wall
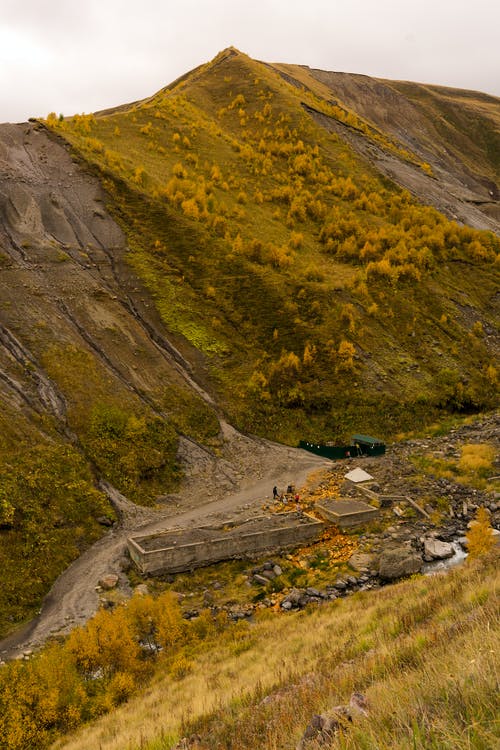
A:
346	513
292	531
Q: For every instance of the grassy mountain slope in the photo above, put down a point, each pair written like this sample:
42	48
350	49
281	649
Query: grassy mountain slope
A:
316	288
89	389
422	652
268	268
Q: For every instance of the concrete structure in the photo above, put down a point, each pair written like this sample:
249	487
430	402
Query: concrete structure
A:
346	513
358	475
177	550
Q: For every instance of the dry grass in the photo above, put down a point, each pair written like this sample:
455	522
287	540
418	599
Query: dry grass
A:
477	459
474	467
424	653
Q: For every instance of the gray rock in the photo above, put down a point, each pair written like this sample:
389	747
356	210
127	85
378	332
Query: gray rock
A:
320	731
399	562
323	728
310	591
287	605
105	521
361	561
188	743
109	581
260	578
269	574
437	550
294	597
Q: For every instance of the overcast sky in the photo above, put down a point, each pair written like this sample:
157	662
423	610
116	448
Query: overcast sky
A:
84	55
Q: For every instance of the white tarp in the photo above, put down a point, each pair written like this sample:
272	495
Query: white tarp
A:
358	475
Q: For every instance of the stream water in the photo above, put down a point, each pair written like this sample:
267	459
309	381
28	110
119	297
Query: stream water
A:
437	566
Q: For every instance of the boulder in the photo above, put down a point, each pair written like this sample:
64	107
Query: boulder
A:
258	578
323	727
188	743
320	731
269	574
399	562
310	591
108	581
105	521
437	550
294	596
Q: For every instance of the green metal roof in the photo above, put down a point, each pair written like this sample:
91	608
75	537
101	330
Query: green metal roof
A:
366	439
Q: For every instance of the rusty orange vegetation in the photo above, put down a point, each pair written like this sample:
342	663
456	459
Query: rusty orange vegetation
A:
321	485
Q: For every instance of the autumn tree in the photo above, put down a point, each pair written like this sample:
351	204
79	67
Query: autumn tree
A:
480	537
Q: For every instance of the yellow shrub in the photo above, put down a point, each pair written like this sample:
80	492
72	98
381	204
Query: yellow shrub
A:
190	208
476	459
138	175
180	667
309	354
179	171
121	687
94	144
480	536
296	240
345	354
146	129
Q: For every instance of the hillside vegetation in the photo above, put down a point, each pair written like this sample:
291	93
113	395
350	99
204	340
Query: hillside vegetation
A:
316	289
422	652
270	271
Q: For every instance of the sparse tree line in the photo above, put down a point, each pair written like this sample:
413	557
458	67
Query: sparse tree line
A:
287	202
98	667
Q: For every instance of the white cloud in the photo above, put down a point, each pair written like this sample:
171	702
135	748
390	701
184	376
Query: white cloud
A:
72	56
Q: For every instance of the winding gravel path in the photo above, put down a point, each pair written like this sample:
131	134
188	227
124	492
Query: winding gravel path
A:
73	598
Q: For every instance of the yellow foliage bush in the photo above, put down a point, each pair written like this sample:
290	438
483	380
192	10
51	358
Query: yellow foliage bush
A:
146	129
476	459
309	355
279	257
347	316
138	175
345	355
296	240
179	171
94	144
105	646
190	208
480	535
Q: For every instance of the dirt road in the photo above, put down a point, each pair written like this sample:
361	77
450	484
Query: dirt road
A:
223	488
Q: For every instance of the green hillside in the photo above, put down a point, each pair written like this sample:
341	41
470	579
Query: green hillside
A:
323	297
272	274
290	252
422	652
